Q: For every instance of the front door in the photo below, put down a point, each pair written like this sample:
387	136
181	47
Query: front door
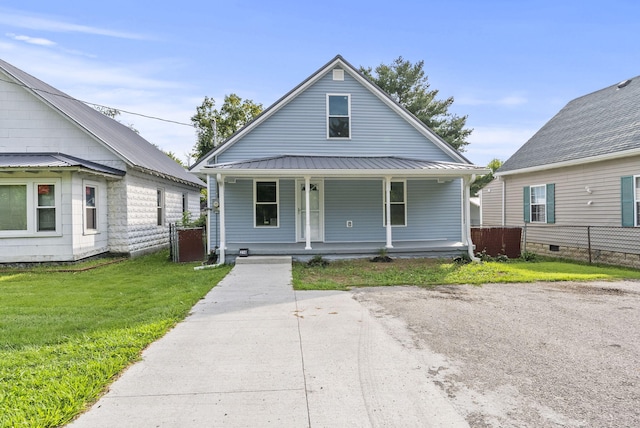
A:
315	210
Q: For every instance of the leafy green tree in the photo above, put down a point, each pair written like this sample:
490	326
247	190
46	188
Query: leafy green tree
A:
407	84
113	113
213	126
483	180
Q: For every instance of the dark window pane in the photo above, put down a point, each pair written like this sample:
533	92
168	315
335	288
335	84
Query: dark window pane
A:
90	195
397	192
91	219
266	191
46	220
46	195
13	207
538	213
266	215
339	127
338	105
397	214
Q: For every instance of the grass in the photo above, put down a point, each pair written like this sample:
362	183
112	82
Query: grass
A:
65	335
342	275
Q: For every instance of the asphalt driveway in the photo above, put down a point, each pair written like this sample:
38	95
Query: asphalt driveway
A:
543	355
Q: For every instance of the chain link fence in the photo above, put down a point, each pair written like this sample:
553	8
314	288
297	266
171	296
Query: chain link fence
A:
593	244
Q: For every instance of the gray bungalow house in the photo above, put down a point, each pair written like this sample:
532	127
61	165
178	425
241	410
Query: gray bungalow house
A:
75	183
337	168
582	168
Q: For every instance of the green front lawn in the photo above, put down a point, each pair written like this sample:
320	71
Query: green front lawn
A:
342	275
65	335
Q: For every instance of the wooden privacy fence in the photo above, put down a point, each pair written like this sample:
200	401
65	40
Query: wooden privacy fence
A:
495	241
186	244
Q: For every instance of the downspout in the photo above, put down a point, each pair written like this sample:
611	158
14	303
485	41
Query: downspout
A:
221	208
504	208
467	213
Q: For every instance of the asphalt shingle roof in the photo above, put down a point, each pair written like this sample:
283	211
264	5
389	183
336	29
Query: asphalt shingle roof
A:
601	123
130	146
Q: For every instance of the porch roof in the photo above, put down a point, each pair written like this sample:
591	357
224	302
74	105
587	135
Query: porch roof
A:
13	161
297	165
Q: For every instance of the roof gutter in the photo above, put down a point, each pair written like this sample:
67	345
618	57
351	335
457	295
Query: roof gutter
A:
572	162
348	172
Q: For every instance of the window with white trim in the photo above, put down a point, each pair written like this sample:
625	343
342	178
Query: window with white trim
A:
30	207
160	207
265	197
398	202
339	116
538	204
90	208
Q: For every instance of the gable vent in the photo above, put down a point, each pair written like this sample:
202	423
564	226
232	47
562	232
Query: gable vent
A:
624	83
338	74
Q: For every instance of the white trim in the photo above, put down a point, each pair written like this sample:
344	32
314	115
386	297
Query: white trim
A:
636	200
359	173
573	162
298	224
31	187
222	208
96	187
387	186
160	219
544	186
348	116
277	202
404	194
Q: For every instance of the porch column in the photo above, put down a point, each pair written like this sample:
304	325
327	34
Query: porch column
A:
466	194
307	219
223	232
387	207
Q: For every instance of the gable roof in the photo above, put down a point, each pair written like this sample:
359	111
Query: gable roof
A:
337	61
602	125
120	139
11	161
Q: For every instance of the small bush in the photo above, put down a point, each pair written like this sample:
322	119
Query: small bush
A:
527	256
462	259
317	260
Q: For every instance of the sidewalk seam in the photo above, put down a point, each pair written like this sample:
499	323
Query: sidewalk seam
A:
304	374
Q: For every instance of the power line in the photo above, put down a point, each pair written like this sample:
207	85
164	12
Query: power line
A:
97	105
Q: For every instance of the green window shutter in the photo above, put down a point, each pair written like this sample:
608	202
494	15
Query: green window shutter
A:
551	203
526	191
626	197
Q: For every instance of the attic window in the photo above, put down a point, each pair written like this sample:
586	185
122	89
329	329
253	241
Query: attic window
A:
338	74
624	83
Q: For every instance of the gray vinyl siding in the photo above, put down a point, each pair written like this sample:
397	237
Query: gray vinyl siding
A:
491	203
571	197
434	211
239	214
300	128
359	201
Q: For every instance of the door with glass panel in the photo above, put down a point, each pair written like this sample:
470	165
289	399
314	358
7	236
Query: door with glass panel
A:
315	210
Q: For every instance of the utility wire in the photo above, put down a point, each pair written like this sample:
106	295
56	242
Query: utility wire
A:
61	95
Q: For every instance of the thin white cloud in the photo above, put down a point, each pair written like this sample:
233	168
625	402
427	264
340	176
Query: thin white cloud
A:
507	101
31	40
18	19
487	143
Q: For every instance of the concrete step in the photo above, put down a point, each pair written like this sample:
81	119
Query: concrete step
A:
264	260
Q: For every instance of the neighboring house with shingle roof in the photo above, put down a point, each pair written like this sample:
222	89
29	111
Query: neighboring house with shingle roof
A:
581	168
371	174
75	183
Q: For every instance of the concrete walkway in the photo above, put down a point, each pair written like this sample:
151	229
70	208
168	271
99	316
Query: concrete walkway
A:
255	353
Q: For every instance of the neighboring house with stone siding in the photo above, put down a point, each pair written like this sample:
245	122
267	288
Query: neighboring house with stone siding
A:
582	168
75	183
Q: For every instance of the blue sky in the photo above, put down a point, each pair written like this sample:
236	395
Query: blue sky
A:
510	65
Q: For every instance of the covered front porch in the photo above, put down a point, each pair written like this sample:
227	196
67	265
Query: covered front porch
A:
347	250
358	207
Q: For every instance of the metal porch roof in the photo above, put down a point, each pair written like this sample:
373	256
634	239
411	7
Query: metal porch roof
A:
347	164
53	160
